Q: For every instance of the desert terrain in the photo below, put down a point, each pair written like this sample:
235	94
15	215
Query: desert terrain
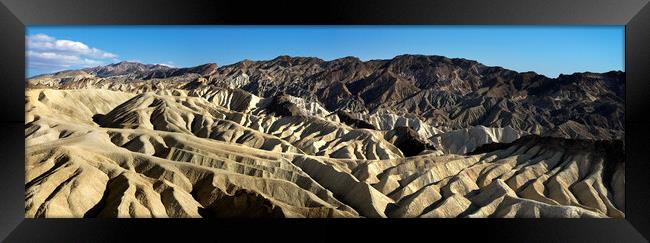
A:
300	137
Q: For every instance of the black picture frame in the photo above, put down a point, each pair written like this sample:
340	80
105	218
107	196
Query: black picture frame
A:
16	14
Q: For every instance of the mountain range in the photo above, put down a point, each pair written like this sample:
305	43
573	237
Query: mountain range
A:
446	93
412	136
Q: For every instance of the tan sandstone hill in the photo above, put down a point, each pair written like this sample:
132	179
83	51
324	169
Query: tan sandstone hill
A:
106	147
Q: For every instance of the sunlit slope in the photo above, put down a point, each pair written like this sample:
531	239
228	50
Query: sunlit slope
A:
222	152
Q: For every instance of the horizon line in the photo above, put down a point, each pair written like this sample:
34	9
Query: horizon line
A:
325	60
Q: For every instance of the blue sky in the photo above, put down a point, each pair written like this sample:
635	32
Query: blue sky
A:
549	50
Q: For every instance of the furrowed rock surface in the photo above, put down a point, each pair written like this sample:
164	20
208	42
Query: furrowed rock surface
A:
427	93
156	155
465	140
414	136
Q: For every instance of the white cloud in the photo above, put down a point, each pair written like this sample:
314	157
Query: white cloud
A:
48	53
53	60
42	37
168	64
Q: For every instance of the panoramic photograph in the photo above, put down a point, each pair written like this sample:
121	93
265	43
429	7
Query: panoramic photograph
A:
325	122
